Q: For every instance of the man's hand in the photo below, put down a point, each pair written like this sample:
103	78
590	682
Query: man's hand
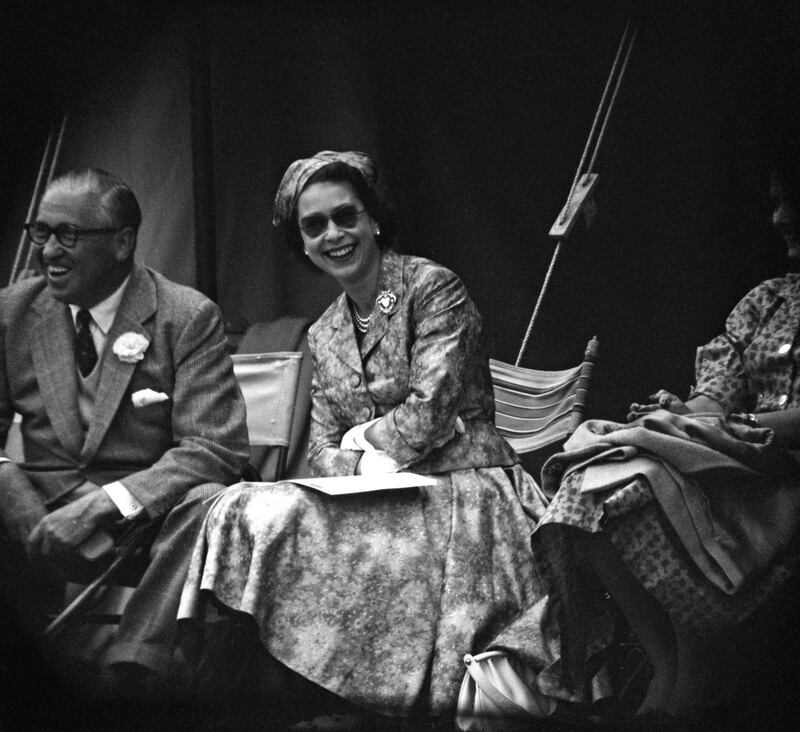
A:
22	507
65	528
662	399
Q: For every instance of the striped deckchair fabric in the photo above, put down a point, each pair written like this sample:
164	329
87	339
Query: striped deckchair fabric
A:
537	408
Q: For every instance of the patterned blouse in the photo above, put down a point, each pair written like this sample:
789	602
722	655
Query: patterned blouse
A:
753	366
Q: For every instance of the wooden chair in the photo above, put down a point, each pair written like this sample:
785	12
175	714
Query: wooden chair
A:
535	409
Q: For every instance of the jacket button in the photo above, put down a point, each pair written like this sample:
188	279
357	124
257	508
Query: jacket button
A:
784	349
355	380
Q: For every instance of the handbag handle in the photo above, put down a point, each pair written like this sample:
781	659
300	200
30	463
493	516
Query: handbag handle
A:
507	705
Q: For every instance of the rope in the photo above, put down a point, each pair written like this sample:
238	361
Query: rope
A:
625	45
613	100
538	303
597	114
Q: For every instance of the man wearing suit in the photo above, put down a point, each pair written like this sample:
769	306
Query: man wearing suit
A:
130	410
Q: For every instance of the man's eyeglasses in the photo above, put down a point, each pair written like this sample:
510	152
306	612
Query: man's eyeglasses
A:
66	234
345	217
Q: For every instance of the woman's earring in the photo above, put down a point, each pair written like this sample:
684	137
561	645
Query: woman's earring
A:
377	230
305	251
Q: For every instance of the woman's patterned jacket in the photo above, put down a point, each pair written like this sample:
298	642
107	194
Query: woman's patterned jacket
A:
421	364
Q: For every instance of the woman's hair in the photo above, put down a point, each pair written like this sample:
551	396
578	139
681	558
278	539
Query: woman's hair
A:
376	204
115	202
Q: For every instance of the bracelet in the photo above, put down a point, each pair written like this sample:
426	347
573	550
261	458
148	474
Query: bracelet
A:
747	418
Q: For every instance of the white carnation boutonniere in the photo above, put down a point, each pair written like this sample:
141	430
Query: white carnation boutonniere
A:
130	347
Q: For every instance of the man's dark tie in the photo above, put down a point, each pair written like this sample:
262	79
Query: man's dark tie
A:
85	352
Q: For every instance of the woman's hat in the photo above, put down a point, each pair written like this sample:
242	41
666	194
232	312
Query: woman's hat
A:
296	175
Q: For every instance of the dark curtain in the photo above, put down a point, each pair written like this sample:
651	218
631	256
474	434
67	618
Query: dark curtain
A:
135	123
122	79
478	118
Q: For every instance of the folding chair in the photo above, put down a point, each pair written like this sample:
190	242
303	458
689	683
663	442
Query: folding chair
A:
102	601
538	409
269	384
287	333
535	409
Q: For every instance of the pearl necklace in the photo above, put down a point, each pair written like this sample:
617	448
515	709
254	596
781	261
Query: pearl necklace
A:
361	322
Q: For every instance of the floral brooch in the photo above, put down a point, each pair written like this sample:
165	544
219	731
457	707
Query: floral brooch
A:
386	301
130	347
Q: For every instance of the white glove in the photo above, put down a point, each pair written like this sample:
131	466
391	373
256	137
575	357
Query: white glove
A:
354	438
376	463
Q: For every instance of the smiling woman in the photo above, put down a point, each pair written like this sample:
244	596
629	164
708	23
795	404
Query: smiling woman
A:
376	596
339	237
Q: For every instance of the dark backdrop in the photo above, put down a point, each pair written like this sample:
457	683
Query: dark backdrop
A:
478	117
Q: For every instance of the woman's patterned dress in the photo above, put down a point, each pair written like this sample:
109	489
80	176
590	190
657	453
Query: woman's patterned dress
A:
378	596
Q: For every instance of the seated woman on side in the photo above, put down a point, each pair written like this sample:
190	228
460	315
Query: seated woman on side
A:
688	515
377	596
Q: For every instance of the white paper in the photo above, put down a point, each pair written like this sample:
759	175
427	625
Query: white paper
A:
342	485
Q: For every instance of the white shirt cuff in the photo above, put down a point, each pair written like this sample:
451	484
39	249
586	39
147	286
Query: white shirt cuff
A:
5	459
123	499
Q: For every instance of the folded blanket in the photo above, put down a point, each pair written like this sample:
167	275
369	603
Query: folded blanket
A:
734	504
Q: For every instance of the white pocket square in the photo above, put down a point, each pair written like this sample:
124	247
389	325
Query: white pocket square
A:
144	397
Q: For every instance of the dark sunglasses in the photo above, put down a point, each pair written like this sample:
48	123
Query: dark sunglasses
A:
66	234
345	217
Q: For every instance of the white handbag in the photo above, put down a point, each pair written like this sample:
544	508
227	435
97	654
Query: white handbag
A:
497	695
